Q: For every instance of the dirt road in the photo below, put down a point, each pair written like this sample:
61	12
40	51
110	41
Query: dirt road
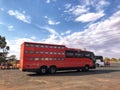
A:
103	78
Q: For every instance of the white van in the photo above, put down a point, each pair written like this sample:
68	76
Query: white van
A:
99	61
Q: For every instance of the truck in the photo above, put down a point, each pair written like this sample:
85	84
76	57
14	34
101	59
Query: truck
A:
45	58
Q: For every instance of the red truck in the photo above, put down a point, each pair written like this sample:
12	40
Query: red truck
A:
48	58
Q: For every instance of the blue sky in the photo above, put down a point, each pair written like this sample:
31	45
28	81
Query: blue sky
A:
90	24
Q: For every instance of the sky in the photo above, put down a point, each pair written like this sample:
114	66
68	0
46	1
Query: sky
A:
93	25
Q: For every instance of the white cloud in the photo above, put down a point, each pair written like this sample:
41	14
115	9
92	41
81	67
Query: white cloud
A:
101	4
98	5
79	10
89	17
10	28
76	10
52	31
54	36
20	16
67	6
46	17
51	22
85	6
33	37
67	32
83	10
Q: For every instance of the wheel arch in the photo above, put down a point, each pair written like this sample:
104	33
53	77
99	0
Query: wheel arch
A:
43	66
52	66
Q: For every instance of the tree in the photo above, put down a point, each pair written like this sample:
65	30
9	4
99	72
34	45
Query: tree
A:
3	49
106	59
114	59
12	58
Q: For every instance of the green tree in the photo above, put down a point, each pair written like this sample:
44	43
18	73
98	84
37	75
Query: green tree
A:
3	49
12	59
107	59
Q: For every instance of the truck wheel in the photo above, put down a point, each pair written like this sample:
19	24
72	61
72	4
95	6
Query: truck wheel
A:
43	70
86	68
52	70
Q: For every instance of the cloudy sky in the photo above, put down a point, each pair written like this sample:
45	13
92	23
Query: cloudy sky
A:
90	24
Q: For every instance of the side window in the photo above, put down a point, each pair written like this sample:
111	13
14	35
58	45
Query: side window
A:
50	59
41	52
55	53
26	51
55	58
42	46
31	58
51	46
36	58
37	52
62	58
31	52
79	54
46	52
59	47
55	46
32	45
87	55
70	54
36	45
46	46
51	52
59	53
26	45
42	58
46	58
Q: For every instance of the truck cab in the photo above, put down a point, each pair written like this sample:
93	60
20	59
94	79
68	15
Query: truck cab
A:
99	61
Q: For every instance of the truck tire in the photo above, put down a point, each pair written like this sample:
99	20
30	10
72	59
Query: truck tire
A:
52	70
86	68
43	70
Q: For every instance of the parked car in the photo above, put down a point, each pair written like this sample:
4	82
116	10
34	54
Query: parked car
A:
99	61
